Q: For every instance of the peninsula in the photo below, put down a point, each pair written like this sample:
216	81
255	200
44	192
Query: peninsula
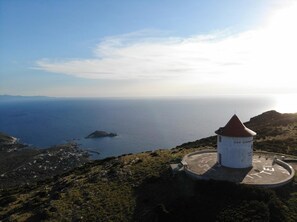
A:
22	165
141	187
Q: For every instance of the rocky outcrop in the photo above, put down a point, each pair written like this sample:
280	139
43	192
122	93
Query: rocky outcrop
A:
100	134
5	139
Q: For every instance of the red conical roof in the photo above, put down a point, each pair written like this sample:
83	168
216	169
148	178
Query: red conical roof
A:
235	128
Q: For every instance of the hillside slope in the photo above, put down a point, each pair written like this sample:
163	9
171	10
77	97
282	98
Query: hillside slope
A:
140	187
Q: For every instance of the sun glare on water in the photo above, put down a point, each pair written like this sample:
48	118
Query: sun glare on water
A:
286	103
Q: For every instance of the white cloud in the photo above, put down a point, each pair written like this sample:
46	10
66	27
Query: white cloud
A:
261	59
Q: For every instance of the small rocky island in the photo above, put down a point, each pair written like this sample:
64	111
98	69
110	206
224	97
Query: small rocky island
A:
100	134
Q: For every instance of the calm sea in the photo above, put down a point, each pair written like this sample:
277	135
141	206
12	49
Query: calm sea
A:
141	124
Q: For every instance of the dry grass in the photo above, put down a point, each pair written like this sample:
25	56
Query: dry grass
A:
138	186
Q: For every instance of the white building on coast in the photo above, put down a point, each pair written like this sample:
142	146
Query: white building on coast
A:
235	144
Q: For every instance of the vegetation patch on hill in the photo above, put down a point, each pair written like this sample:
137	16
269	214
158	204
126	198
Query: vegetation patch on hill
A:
141	187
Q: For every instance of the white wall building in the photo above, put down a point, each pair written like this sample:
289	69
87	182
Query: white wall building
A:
235	144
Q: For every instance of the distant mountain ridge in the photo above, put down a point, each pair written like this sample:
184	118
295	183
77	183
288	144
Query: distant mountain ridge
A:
4	98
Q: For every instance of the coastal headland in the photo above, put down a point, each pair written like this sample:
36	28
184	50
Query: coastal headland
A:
22	165
141	187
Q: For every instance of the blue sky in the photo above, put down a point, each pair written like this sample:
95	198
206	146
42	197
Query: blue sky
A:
108	48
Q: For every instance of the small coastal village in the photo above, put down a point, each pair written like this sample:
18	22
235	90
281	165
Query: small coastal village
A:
143	187
20	164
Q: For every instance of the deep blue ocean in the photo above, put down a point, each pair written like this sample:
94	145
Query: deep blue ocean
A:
141	124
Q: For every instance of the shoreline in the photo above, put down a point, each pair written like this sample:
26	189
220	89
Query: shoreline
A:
20	164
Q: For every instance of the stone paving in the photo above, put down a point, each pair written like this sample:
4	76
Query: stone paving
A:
264	171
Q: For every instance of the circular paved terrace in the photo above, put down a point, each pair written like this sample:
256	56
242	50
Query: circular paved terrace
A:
265	171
